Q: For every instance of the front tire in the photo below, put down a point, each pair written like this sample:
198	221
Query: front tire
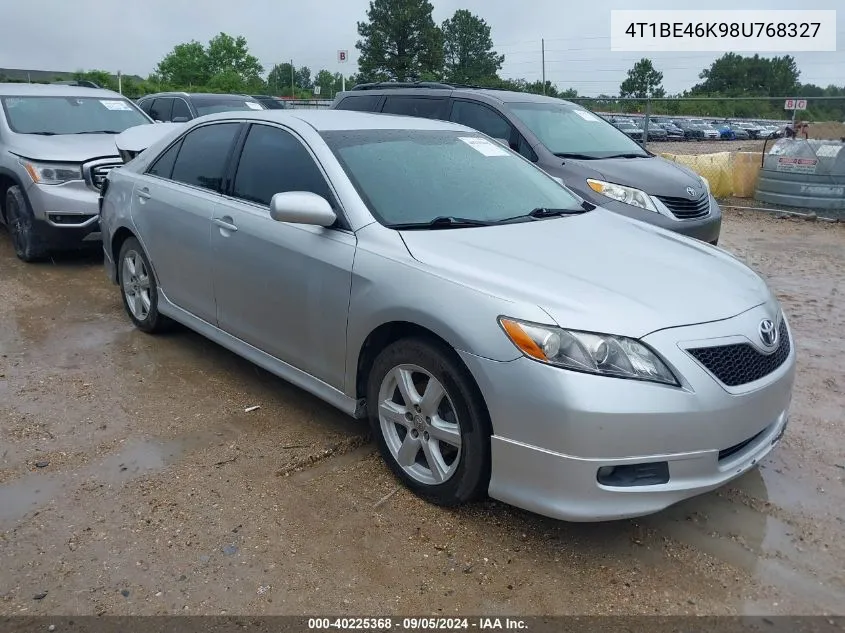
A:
430	422
138	288
28	244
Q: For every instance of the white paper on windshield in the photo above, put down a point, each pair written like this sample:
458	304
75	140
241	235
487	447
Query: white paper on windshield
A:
587	116
115	104
253	106
484	146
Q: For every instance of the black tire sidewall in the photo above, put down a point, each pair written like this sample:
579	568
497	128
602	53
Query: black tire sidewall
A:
20	224
472	477
154	321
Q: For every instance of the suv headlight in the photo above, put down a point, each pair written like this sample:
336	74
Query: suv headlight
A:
621	193
52	173
601	354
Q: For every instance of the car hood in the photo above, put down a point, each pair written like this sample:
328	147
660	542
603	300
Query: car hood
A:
597	272
68	148
654	175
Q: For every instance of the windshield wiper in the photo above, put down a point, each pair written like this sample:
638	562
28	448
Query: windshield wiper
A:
628	156
43	133
98	132
441	222
571	155
541	213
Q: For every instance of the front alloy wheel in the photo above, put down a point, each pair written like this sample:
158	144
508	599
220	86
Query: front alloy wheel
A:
419	424
429	420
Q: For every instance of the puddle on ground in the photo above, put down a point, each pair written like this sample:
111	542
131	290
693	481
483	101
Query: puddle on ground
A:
21	496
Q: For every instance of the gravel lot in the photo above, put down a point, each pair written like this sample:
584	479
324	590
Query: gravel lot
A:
132	481
707	147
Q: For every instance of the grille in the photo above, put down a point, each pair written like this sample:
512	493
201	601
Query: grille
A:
99	173
686	208
741	363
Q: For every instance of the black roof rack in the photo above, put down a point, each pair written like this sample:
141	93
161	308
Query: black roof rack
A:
81	83
432	85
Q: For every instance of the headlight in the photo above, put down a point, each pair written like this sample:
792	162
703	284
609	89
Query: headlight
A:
601	354
706	184
52	173
628	195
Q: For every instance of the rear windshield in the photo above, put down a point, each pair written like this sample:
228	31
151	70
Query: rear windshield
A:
70	115
224	103
568	129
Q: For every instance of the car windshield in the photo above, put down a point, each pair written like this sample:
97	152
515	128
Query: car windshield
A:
415	176
567	129
70	115
229	103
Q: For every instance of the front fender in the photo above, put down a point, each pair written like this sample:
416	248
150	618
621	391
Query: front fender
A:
388	286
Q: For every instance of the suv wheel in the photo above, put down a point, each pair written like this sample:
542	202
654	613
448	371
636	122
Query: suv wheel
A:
28	244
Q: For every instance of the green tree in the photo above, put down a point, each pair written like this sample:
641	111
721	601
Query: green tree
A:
643	81
399	41
468	49
185	66
102	78
302	78
326	81
230	56
735	76
279	79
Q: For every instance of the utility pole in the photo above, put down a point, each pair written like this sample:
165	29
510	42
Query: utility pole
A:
292	87
543	56
119	82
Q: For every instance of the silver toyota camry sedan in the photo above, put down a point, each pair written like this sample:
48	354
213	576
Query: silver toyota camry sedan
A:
502	336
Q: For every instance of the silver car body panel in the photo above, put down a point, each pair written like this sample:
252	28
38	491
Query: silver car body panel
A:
301	301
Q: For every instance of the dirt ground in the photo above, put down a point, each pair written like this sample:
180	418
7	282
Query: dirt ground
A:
707	147
133	481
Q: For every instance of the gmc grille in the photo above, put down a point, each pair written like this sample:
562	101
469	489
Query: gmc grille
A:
739	364
99	172
685	208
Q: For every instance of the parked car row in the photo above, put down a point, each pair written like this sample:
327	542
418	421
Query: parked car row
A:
662	128
439	274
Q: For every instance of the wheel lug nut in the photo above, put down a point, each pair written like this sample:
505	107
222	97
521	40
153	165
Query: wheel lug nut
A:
425	436
408	416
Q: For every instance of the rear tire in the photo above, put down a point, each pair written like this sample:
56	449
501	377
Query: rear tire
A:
138	288
430	422
29	247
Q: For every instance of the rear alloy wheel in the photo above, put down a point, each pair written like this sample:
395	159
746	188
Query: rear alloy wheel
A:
138	287
430	422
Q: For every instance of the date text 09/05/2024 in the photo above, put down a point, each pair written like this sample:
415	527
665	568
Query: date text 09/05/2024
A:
416	624
723	29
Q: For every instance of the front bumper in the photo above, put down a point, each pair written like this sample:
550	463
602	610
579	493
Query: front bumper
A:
554	429
66	215
706	229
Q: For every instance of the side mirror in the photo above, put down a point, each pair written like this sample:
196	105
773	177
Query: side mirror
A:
302	207
179	119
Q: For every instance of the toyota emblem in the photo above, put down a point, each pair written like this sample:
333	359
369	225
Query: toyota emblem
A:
768	333
691	192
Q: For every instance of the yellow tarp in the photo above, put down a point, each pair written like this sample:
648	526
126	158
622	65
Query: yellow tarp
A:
729	173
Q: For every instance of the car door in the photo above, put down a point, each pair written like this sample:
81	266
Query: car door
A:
173	211
283	288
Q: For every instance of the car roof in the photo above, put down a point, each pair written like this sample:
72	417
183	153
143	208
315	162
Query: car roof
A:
198	94
402	89
54	90
329	120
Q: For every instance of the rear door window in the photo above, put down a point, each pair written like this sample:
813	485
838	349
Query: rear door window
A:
424	107
360	103
203	155
481	118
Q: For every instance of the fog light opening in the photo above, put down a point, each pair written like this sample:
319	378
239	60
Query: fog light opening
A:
630	475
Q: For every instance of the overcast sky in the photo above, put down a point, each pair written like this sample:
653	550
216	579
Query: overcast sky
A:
133	36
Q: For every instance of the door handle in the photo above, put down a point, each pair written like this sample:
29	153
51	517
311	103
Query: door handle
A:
144	194
226	224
